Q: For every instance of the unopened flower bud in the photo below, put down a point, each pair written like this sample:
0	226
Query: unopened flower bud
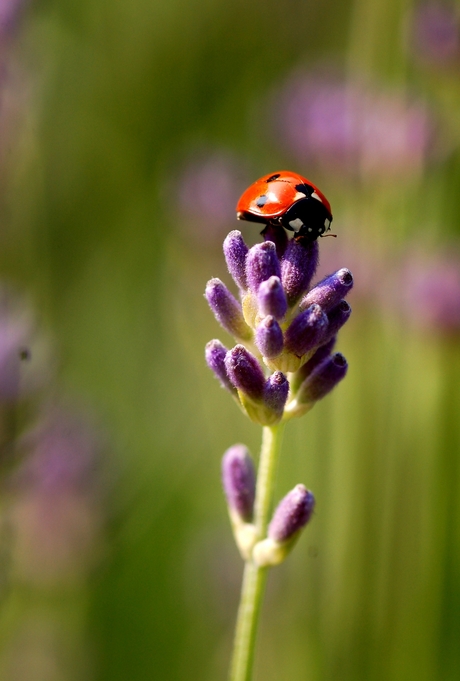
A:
276	393
215	359
269	337
290	517
323	379
278	236
238	478
298	266
321	354
227	310
245	372
261	264
271	298
292	514
235	252
329	291
336	319
306	331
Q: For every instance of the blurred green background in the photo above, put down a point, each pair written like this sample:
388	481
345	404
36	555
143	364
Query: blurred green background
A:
129	130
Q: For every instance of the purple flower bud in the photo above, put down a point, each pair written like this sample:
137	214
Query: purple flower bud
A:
227	310
238	478
261	264
278	236
298	266
306	331
276	393
323	379
215	359
318	358
292	514
272	298
336	319
329	291
269	337
245	372
235	252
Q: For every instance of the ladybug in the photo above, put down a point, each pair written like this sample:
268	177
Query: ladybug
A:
288	200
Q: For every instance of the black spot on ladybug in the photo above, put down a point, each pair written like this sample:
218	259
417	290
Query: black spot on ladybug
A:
262	200
273	177
304	189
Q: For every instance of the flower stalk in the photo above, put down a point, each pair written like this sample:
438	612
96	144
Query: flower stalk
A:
281	365
254	578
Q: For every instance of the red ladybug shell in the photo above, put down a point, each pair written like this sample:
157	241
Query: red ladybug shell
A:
272	195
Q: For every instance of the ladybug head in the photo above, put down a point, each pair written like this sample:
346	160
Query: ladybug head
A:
308	217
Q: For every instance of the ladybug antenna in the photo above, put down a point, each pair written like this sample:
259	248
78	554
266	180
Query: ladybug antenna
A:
324	235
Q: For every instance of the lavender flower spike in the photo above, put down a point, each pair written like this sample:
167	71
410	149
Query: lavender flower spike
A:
292	514
215	358
238	478
306	331
261	264
227	310
271	298
245	372
235	252
323	379
298	267
269	337
329	291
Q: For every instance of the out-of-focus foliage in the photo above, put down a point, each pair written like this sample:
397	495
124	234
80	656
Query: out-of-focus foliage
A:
127	131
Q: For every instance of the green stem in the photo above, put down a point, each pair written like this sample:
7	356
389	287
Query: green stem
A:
255	577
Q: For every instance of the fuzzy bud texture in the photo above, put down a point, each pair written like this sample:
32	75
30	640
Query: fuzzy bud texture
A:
245	372
336	318
329	291
276	392
306	330
323	379
227	310
278	237
261	264
215	358
235	252
269	337
272	299
277	335
292	514
238	479
298	267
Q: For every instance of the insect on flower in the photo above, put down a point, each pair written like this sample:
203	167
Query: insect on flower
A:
286	199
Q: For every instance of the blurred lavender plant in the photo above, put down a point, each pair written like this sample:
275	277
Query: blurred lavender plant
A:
51	487
429	283
10	12
282	364
352	127
57	500
435	37
209	185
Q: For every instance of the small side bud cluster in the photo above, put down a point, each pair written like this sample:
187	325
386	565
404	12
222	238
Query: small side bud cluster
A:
285	331
292	514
